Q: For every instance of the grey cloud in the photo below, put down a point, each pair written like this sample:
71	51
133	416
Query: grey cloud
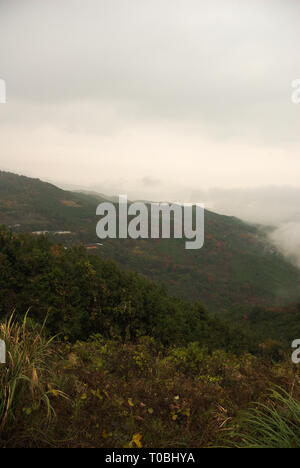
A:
226	64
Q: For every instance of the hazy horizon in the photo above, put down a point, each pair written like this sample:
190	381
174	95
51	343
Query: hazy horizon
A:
188	100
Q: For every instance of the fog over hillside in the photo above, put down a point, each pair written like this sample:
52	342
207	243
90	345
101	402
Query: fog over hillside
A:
274	206
287	238
277	207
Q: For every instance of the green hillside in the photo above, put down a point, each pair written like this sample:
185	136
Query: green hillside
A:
37	205
237	265
82	294
130	366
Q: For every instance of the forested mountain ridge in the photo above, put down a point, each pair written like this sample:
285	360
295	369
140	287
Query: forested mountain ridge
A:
37	205
237	265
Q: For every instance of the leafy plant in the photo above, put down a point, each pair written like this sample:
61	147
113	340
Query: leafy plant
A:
275	424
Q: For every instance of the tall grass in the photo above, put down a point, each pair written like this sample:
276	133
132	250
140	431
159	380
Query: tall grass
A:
272	425
25	378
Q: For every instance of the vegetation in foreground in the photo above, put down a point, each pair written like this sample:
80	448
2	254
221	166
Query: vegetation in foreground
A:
274	424
25	380
107	393
131	366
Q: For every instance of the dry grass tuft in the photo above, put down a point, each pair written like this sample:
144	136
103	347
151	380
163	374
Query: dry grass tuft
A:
25	378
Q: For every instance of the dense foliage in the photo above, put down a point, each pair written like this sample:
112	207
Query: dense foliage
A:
82	294
280	324
105	393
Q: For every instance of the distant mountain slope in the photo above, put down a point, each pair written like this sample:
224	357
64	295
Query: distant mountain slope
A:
37	205
236	266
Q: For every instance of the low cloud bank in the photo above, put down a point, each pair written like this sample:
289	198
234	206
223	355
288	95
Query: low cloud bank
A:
274	206
287	239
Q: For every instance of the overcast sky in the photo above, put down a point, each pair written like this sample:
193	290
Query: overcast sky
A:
160	99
